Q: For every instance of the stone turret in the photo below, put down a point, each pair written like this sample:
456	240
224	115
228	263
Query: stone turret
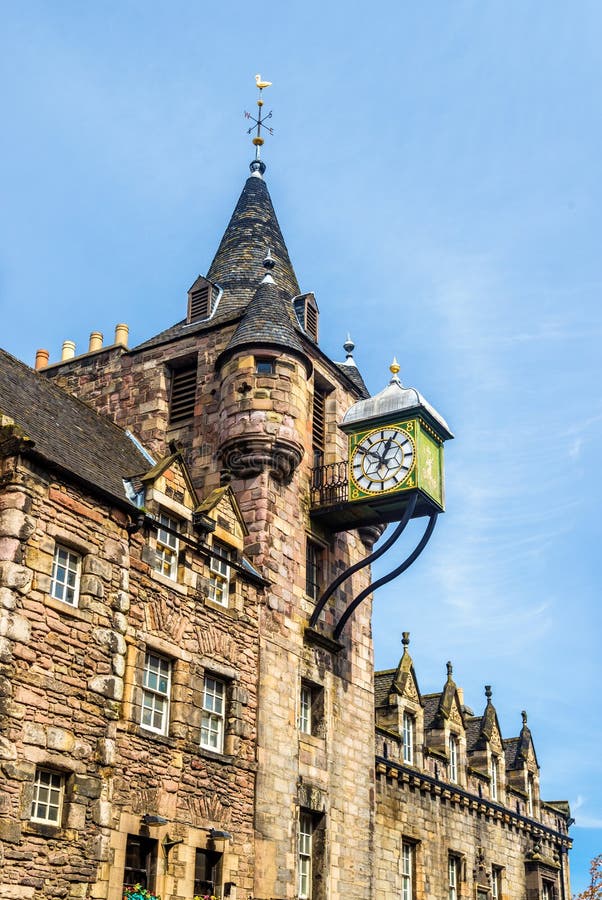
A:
264	388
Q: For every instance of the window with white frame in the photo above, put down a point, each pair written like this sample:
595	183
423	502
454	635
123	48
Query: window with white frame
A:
453	758
496	883
48	796
66	569
408	723
453	872
305	855
166	554
219	574
530	795
214	714
305	709
493	774
156	691
407	870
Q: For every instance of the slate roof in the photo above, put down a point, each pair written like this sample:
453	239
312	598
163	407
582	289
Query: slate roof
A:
383	682
268	319
473	731
237	269
354	375
510	751
65	431
252	230
431	708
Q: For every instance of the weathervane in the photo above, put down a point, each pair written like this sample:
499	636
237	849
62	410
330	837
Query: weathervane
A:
260	121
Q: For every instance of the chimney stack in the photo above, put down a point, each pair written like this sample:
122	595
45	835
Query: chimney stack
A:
42	357
121	334
68	351
95	341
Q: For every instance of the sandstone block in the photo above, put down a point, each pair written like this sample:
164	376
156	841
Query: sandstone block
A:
32	733
14	576
10	832
107	685
15	628
60	739
92	585
93	565
14	523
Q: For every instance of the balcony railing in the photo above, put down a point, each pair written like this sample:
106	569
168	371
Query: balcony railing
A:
329	484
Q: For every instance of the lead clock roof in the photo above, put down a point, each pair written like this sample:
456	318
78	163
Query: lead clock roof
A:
395	398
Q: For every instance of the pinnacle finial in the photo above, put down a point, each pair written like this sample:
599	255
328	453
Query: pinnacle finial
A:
524	717
349	347
450	670
488	693
260	121
269	262
394	369
405	639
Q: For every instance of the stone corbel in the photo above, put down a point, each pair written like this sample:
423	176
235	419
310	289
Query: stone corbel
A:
246	456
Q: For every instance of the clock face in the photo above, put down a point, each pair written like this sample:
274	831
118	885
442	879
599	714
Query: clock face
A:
382	460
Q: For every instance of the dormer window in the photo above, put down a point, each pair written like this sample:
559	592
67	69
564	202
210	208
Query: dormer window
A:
201	298
306	310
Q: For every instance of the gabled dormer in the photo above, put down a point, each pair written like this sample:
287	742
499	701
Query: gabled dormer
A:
445	730
486	750
202	300
522	768
307	313
169	502
221	588
400	708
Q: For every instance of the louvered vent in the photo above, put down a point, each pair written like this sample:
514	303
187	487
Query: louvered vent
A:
306	311
311	320
183	390
199	304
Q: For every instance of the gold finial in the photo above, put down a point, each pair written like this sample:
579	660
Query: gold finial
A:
394	367
258	141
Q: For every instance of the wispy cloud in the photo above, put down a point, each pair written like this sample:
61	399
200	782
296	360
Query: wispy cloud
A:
584	819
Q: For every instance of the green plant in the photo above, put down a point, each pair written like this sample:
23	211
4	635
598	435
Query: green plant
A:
139	893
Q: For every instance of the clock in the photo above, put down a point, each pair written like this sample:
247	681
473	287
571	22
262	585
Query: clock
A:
382	460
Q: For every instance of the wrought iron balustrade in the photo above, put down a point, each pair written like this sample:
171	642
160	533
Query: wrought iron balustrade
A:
329	484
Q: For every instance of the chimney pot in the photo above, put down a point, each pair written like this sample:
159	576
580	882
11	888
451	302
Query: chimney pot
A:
68	351
95	341
121	334
42	357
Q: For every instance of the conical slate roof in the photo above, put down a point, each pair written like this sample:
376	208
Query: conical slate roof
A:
253	229
267	321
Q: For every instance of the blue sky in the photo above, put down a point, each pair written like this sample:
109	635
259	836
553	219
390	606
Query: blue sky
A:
435	168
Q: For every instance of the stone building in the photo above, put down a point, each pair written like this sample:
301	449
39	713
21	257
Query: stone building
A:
457	805
167	715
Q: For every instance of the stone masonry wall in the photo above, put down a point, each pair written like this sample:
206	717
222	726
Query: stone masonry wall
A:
70	686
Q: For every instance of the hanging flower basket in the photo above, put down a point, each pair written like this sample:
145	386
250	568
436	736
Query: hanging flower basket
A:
139	893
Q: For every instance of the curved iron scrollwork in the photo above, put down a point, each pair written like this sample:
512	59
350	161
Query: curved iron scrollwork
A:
386	578
372	557
338	581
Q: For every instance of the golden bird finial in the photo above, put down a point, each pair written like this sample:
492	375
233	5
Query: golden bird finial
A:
262	84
